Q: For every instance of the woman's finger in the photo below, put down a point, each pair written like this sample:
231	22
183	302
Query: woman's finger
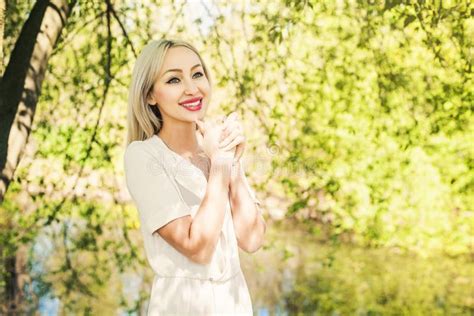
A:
239	151
233	117
232	126
232	135
234	143
224	134
200	125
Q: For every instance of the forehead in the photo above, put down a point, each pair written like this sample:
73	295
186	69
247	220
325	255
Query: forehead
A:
180	58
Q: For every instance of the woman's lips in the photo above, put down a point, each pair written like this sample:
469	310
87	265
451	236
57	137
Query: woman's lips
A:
193	100
193	106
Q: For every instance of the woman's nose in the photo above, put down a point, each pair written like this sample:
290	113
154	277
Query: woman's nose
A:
190	87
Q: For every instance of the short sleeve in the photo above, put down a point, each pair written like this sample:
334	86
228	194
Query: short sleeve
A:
156	196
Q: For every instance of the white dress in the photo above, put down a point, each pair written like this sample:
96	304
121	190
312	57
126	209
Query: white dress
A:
165	186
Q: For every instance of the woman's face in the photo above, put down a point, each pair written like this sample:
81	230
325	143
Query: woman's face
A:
182	90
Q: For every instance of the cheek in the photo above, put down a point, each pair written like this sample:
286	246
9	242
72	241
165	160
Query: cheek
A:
205	87
166	95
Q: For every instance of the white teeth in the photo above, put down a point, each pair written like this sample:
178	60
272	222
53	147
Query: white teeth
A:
193	104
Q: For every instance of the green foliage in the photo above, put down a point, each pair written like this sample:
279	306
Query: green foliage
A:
361	282
370	106
364	107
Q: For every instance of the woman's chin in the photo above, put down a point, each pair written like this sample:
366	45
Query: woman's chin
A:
201	115
192	116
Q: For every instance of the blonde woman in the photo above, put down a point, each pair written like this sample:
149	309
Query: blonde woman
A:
185	176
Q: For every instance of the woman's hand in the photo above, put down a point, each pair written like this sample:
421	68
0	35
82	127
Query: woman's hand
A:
211	133
233	136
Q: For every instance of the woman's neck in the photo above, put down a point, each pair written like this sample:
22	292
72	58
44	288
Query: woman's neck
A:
181	138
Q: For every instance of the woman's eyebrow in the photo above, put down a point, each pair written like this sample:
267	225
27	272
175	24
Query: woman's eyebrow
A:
180	70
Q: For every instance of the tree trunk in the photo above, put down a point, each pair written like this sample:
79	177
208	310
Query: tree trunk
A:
2	28
20	88
21	84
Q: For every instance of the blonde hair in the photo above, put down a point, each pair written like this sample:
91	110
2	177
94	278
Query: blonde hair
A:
144	120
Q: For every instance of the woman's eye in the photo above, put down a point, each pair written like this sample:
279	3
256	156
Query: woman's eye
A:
173	80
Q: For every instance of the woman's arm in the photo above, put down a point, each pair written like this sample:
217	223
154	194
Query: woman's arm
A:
248	221
197	237
207	224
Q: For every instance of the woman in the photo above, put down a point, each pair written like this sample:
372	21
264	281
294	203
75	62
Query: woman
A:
185	177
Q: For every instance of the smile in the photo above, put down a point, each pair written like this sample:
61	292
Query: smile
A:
192	106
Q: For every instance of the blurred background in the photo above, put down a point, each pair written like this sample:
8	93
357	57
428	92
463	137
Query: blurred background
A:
359	125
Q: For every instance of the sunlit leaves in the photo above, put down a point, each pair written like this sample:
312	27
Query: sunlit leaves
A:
370	87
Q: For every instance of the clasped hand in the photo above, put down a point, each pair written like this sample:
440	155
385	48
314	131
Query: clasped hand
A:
223	139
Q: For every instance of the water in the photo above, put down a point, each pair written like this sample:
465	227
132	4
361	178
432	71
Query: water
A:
295	274
299	275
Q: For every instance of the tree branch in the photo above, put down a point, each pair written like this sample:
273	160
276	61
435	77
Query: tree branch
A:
112	10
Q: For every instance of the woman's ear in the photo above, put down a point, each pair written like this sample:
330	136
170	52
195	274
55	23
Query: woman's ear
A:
149	97
150	100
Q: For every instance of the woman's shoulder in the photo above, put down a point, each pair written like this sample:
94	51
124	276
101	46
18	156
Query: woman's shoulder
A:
137	147
139	151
